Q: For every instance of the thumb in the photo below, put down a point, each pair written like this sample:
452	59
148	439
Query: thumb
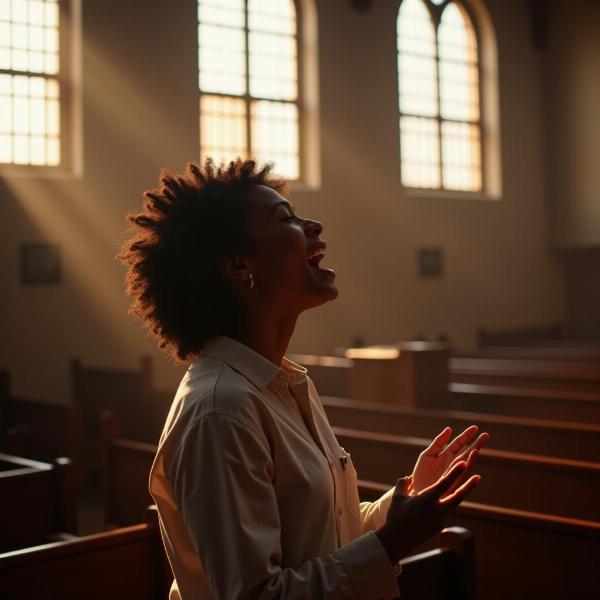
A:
402	486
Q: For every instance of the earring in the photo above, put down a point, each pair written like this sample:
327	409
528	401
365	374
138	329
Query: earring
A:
251	284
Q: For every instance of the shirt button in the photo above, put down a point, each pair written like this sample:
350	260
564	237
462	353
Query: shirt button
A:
339	511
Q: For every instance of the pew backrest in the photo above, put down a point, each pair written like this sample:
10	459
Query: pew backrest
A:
521	554
522	481
579	441
122	564
37	500
582	375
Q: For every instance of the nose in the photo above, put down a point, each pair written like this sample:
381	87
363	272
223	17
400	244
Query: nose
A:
313	228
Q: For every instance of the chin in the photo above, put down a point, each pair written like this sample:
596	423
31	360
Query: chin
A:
325	295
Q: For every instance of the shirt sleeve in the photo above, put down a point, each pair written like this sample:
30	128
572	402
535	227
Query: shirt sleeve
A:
221	475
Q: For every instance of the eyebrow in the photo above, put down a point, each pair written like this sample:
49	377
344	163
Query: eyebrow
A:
291	207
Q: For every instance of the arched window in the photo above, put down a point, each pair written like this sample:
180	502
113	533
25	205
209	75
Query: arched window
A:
250	93
439	97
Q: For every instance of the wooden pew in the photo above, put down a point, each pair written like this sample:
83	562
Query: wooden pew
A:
521	481
123	391
446	571
129	393
37	501
127	564
579	441
523	554
581	375
130	564
126	470
563	351
40	430
546	556
530	402
550	333
331	376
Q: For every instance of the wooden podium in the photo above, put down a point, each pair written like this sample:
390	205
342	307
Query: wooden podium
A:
407	373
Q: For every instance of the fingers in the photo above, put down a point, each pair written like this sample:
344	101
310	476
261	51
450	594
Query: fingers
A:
472	457
476	445
466	437
454	499
402	486
444	483
439	442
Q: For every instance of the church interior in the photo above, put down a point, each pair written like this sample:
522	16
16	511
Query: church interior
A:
450	150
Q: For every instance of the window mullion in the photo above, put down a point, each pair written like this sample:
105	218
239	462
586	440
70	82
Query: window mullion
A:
439	109
249	150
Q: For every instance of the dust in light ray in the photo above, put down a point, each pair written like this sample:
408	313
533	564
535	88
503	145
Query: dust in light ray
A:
438	92
248	81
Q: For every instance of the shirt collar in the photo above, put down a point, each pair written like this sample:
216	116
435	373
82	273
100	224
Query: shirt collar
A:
252	365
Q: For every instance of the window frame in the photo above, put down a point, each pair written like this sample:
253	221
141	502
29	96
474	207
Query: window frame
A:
435	13
70	165
249	99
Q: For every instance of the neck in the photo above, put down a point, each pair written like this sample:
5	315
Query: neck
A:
268	334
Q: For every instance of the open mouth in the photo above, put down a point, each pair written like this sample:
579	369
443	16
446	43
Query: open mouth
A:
314	259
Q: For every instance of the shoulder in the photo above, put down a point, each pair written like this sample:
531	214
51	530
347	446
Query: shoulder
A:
213	388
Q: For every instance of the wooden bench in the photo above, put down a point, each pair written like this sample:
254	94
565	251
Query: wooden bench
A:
521	481
332	377
522	554
581	375
564	351
546	556
551	333
123	564
40	430
541	403
37	502
578	441
446	571
129	393
126	470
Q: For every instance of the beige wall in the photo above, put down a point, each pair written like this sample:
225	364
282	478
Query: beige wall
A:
573	93
140	114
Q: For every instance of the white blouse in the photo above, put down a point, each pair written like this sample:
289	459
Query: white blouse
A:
256	497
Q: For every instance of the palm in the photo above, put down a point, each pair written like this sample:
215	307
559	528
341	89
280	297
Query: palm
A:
440	455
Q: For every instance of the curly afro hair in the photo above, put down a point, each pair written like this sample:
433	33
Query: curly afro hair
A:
187	223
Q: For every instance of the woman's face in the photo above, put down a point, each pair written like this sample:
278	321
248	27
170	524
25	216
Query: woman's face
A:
288	263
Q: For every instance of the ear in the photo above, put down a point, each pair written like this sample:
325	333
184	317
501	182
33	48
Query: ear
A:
234	268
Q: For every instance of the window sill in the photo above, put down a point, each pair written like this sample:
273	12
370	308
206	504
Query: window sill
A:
450	194
8	171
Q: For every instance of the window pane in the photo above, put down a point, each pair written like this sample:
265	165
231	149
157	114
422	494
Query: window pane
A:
221	59
461	154
417	80
459	79
274	129
29	119
275	16
273	66
419	147
29	36
222	128
229	13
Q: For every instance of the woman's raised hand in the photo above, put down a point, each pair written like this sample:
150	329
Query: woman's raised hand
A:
413	519
442	454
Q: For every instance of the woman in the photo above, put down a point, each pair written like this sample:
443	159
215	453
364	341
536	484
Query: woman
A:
256	497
